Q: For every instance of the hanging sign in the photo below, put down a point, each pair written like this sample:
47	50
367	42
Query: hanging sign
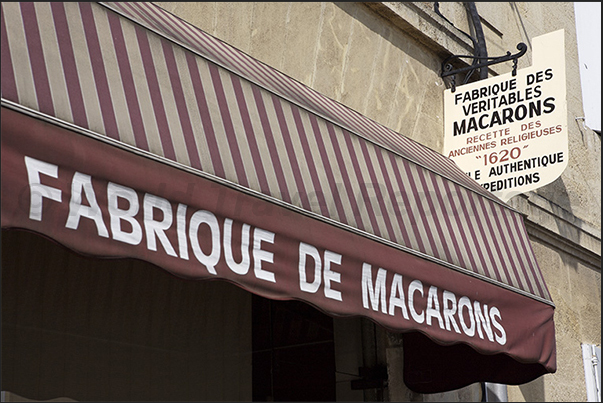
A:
509	133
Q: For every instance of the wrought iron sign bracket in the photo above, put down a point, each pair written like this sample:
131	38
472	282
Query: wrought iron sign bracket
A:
447	68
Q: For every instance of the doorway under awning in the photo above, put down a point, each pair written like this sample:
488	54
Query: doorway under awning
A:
127	132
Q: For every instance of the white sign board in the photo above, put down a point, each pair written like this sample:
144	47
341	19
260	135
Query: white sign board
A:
509	133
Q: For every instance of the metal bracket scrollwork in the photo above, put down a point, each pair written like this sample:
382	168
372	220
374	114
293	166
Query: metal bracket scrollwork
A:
447	67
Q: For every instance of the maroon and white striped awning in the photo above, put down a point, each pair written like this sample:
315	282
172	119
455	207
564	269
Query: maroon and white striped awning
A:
126	103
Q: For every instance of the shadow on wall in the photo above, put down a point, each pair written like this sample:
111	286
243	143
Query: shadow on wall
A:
401	40
533	391
559	202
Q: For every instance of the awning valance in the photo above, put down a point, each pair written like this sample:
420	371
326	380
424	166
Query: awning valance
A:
210	164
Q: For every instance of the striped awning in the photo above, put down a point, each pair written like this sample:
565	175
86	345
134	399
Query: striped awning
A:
135	78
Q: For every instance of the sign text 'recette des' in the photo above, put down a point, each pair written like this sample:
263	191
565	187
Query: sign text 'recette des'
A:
509	133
